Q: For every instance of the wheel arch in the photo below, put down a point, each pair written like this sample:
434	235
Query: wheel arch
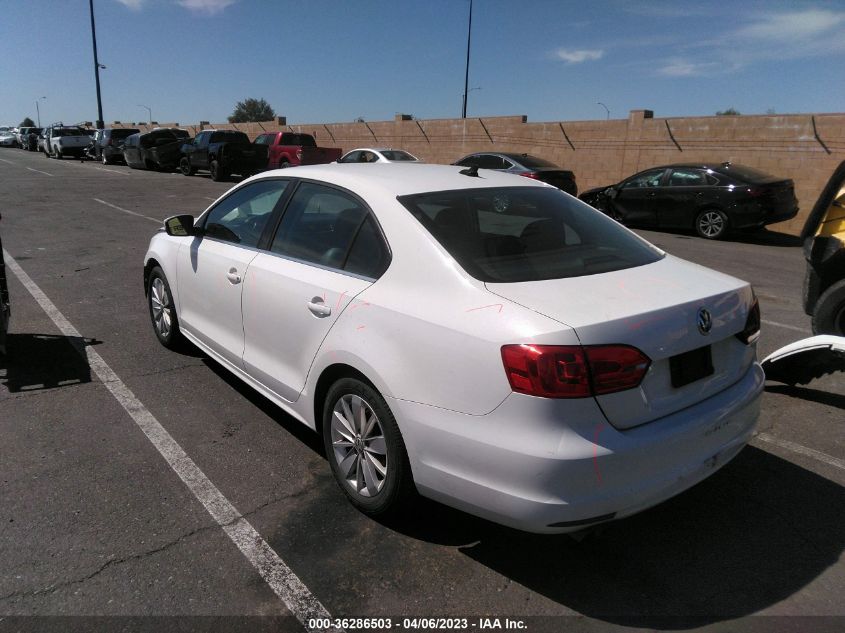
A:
330	375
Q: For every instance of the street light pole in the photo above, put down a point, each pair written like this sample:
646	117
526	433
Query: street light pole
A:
605	107
38	110
100	125
466	75
148	110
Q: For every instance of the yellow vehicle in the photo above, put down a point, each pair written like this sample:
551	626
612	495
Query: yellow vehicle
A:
824	249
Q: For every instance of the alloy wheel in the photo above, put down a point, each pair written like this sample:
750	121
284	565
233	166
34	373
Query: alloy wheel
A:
711	224
160	303
358	445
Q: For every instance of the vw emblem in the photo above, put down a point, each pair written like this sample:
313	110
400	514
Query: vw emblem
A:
704	320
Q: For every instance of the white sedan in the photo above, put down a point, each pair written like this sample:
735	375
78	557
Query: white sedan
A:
8	139
378	155
486	341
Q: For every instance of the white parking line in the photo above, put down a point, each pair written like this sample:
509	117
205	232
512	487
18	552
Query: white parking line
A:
787	327
114	206
7	161
281	579
802	450
113	171
39	171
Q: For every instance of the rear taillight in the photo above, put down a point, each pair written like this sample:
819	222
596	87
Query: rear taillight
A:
530	174
756	192
573	371
299	154
751	332
108	142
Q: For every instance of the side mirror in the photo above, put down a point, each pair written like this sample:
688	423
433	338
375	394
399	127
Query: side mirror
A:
180	226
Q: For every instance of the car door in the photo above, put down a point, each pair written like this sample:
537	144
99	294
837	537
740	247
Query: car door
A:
634	201
328	249
685	190
199	155
212	267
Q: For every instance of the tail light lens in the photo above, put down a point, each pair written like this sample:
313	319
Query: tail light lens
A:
751	332
756	192
573	371
299	154
530	174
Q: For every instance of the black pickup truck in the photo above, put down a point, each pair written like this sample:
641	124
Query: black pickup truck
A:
223	153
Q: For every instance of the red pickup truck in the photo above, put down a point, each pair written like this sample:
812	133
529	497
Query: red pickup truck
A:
289	149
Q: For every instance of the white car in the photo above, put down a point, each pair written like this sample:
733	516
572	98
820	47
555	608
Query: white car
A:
488	341
378	155
8	139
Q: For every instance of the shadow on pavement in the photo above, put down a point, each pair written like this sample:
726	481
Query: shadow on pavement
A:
44	361
814	395
749	537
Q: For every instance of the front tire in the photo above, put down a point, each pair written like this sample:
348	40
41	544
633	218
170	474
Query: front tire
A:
162	310
711	224
829	311
365	448
217	174
58	153
186	168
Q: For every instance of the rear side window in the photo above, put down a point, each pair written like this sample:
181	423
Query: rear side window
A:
397	155
690	178
519	234
532	162
748	174
329	227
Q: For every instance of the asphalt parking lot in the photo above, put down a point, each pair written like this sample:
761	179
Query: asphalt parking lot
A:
94	520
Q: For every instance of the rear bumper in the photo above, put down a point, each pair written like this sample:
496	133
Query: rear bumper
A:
545	465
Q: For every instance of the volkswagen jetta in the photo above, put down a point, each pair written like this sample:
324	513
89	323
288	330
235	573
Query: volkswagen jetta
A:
482	339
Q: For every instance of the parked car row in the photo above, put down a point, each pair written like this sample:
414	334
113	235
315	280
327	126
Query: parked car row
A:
711	199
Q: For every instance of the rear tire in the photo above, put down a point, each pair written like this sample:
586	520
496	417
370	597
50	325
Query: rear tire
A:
711	224
365	448
163	311
829	311
284	164
186	168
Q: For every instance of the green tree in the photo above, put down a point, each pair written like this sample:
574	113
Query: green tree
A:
27	122
252	110
728	112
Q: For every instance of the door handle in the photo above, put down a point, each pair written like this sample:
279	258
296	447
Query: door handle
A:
233	276
318	307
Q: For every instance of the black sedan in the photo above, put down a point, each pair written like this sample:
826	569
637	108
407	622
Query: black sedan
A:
709	198
523	165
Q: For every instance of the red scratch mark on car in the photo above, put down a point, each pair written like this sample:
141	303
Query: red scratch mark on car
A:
339	299
360	327
599	429
362	304
492	305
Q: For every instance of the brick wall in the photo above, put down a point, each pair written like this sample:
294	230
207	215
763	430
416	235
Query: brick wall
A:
803	147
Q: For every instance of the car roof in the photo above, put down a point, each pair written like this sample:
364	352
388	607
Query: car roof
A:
399	179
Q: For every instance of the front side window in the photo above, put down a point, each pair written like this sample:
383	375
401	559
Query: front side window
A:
515	234
329	227
352	157
241	217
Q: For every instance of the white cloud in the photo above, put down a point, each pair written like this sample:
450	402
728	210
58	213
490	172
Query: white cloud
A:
209	7
135	5
793	26
685	68
578	56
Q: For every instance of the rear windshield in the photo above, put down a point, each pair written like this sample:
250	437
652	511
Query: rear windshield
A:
120	134
532	162
748	174
68	131
513	234
180	133
397	155
304	140
229	137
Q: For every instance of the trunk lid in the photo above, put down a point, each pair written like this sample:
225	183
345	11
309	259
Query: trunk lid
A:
560	178
777	198
654	308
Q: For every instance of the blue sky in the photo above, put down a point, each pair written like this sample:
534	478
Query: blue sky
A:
336	60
